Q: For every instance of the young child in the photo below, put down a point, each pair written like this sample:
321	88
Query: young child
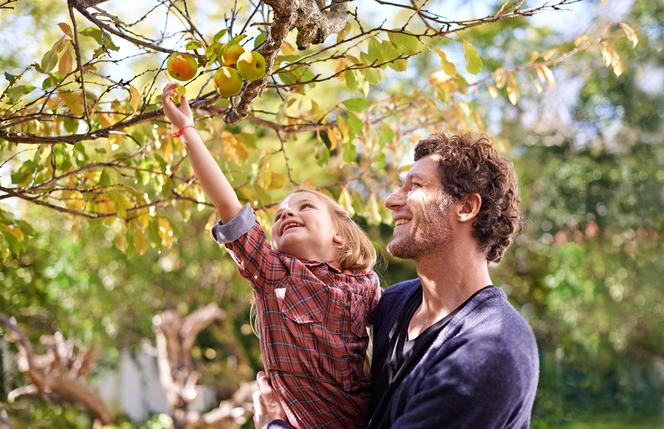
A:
314	287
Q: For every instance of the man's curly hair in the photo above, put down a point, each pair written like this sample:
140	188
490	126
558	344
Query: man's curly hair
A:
468	163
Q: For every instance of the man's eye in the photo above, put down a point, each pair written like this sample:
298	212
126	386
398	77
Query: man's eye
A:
415	185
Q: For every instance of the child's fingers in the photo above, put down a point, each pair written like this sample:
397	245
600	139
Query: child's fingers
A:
184	103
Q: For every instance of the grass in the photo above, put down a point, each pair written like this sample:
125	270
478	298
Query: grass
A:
605	421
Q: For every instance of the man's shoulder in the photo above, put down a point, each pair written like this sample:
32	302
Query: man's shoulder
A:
491	327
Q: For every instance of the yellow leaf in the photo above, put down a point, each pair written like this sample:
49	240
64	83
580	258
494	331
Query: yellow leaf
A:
105	206
630	34
512	88
16	232
66	62
66	29
581	40
373	210
121	240
448	67
74	200
308	184
343	126
140	243
104	120
265	175
165	232
475	115
545	75
134	97
278	181
607	55
287	48
493	92
500	77
617	63
346	201
73	101
334	134
234	151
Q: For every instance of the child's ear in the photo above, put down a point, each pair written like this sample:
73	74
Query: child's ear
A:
338	242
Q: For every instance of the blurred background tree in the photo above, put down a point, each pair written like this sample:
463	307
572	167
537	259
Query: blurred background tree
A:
571	91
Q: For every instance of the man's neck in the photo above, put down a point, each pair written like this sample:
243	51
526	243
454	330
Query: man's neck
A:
447	280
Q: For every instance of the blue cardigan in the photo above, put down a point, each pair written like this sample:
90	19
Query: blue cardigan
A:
480	372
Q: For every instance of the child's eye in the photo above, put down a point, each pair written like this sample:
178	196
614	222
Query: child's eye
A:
305	205
277	217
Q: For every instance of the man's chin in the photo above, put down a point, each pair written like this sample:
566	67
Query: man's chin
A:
399	249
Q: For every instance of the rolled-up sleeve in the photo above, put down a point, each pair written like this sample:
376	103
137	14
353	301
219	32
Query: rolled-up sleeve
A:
235	228
246	242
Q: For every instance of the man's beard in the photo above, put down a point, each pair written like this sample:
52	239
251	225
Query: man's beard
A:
429	230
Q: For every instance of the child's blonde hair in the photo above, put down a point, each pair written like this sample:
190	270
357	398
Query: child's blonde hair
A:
356	252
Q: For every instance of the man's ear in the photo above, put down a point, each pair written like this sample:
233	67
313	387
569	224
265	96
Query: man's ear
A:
469	207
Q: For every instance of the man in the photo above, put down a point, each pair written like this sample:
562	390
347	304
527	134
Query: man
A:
449	349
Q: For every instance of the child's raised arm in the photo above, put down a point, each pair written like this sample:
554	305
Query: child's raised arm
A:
207	170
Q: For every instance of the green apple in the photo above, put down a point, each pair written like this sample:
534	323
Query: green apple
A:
231	54
228	81
251	65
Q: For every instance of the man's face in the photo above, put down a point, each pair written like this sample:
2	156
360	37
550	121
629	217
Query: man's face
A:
420	211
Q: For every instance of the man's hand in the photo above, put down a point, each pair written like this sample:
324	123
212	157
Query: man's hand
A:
266	404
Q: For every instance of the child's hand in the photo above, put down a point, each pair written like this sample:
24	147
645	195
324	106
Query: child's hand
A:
180	116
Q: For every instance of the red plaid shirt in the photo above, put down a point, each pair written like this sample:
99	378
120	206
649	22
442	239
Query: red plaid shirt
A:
312	322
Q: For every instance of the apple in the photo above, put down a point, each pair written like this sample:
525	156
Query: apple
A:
181	66
228	81
231	54
251	65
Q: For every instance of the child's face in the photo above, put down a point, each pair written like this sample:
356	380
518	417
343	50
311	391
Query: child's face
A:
303	227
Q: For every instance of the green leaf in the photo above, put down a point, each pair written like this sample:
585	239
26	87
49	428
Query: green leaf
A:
219	35
356	104
192	45
105	178
349	152
406	43
71	125
351	80
322	154
107	42
94	33
11	78
374	53
473	60
48	61
18	91
389	51
355	126
259	39
399	65
236	40
373	76
386	135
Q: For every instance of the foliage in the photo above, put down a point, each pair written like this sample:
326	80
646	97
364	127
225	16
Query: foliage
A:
84	150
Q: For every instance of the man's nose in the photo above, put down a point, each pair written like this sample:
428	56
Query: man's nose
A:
395	200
